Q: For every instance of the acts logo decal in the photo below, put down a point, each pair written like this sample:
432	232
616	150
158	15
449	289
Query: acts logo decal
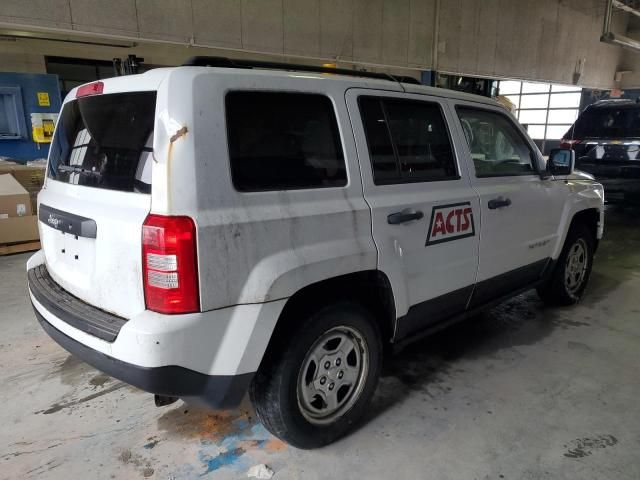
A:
450	222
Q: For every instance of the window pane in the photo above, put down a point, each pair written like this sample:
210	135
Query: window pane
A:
7	123
101	141
12	125
571	100
530	87
421	139
536	132
383	159
509	87
534	101
282	141
565	88
556	132
563	116
533	116
497	148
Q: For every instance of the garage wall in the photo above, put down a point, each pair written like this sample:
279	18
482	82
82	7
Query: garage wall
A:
20	61
631	58
540	40
397	32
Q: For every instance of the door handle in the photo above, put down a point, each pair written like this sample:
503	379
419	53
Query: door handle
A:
406	215
499	202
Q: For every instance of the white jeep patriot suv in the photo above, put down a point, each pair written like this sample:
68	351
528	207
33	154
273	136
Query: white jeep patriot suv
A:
232	226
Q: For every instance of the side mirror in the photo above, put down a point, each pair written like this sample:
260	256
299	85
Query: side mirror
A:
562	161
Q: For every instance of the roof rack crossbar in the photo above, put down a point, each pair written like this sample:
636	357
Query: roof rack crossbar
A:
224	62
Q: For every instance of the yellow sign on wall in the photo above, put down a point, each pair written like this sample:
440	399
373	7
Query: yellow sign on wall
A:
42	126
43	99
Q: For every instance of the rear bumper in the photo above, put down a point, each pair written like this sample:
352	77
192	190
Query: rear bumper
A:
75	312
217	391
207	355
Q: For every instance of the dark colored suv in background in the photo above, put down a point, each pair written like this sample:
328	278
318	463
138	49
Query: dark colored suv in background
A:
606	139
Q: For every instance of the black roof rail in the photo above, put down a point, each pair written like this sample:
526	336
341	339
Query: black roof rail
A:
224	62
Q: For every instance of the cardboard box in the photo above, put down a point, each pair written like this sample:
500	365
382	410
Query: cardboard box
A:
34	202
14	199
19	229
30	178
29	175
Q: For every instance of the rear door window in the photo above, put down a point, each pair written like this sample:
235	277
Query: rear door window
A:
408	141
283	141
105	141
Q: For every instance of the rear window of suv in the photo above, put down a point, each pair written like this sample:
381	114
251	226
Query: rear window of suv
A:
283	141
607	122
105	141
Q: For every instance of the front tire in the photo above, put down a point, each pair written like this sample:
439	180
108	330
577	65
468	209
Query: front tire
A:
572	271
315	384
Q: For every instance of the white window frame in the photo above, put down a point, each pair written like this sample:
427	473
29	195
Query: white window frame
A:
546	109
14	113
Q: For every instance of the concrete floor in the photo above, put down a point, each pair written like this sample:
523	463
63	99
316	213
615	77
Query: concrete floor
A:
520	392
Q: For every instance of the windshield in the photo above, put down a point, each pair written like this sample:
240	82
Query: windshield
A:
609	122
105	141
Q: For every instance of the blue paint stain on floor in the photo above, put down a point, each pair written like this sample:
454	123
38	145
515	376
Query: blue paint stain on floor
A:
259	431
224	459
233	451
233	447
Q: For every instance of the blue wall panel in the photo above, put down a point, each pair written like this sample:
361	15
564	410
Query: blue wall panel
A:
30	84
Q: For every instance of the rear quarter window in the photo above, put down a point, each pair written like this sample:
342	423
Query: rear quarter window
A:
283	141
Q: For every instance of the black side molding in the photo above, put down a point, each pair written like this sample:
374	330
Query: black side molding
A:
67	222
431	312
500	285
438	313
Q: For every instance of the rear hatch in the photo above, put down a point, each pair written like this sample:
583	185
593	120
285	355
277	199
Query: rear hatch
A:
97	196
606	139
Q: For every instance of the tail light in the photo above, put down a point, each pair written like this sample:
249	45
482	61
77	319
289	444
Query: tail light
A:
94	88
169	264
569	142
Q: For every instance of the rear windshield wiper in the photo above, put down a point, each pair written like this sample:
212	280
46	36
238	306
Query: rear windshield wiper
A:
76	169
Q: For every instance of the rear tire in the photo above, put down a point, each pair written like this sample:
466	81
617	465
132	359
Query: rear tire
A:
571	273
314	385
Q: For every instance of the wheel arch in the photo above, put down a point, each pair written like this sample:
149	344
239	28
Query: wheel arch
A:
590	218
369	288
554	290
